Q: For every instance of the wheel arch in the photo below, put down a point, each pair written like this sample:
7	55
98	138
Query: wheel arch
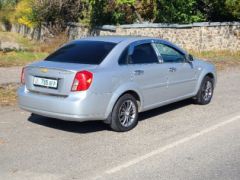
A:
202	76
120	92
211	75
135	95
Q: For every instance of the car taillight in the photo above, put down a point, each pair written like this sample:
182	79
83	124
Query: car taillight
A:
22	76
82	81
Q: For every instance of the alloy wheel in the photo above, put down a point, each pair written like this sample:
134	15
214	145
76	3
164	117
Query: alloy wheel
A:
207	91
127	113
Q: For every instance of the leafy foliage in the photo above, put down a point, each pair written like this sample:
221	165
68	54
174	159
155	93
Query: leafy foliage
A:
7	3
24	13
58	12
233	6
178	11
216	10
98	12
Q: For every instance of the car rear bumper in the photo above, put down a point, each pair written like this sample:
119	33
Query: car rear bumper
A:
79	106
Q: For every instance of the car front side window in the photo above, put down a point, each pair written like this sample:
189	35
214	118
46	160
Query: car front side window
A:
169	54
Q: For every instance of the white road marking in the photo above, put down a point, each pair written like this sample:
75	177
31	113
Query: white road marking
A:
167	147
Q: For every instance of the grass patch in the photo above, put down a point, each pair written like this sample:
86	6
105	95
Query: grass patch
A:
8	94
221	59
20	58
16	38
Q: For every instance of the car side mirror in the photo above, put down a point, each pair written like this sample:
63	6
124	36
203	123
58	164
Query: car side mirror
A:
190	58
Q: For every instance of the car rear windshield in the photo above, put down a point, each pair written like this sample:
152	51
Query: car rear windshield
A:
82	52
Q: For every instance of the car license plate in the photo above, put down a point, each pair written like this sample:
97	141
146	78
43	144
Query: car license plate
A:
45	82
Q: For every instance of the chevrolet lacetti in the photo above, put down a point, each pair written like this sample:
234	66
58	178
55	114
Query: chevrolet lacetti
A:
113	79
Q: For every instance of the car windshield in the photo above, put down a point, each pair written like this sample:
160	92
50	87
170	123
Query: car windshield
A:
82	52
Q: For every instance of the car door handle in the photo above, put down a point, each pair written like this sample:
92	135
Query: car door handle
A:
172	69
138	72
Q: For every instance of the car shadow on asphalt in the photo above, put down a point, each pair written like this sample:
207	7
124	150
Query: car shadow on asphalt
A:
95	126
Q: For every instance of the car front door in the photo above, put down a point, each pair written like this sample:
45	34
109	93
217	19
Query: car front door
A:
148	73
182	75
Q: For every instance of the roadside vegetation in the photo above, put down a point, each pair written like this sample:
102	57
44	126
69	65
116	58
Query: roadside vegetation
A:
221	59
31	50
57	14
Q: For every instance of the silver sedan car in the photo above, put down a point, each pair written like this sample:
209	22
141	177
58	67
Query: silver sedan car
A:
112	79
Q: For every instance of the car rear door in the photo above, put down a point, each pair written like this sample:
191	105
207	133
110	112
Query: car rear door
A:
182	75
147	72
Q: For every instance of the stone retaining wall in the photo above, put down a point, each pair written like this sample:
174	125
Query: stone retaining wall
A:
40	33
196	36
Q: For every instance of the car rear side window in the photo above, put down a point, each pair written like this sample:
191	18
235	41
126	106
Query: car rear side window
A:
82	52
143	54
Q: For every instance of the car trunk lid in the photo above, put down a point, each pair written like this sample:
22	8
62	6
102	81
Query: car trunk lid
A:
53	77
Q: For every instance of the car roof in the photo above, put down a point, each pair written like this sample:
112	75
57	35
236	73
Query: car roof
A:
114	39
118	39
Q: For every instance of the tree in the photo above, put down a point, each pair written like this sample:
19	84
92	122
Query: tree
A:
57	13
233	6
7	8
216	10
4	4
147	9
178	11
122	11
112	12
23	13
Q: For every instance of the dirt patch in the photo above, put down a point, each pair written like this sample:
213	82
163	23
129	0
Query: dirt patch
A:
221	65
8	94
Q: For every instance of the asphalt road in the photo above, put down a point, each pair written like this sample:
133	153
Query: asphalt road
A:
179	141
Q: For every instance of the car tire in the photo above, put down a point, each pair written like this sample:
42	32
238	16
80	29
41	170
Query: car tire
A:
205	92
124	116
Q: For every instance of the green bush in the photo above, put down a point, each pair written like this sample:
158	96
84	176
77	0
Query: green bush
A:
57	13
